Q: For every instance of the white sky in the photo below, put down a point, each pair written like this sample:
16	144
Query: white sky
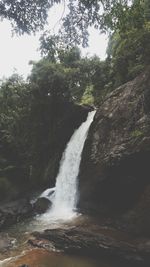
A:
17	51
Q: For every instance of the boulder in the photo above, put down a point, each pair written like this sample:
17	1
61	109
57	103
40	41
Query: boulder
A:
42	205
115	166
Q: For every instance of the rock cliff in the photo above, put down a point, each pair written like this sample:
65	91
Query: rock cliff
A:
114	178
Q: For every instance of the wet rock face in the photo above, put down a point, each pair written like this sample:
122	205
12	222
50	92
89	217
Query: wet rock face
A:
115	165
70	118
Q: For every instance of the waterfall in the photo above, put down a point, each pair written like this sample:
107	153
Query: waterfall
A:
66	195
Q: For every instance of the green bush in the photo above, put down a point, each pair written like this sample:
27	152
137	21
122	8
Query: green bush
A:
137	133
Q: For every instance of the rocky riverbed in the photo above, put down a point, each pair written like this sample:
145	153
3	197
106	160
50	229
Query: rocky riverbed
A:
81	238
95	241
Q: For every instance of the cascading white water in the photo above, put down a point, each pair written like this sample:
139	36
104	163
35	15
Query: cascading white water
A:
65	198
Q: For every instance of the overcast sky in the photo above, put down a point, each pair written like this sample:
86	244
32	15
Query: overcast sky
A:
17	51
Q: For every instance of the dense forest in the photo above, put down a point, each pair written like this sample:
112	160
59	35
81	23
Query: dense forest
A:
63	76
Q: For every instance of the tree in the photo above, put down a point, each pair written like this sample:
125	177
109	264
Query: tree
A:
29	16
129	50
105	15
53	48
49	79
26	15
15	102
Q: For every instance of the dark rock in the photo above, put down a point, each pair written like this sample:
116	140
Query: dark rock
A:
95	243
88	107
69	118
115	166
15	211
6	242
42	205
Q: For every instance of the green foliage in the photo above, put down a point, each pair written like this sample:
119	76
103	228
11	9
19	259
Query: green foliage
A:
50	46
29	16
70	57
87	98
128	50
14	103
26	15
67	75
49	79
101	80
54	49
104	15
137	133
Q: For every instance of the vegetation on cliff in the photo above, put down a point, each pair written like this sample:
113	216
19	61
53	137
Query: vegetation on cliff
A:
35	126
